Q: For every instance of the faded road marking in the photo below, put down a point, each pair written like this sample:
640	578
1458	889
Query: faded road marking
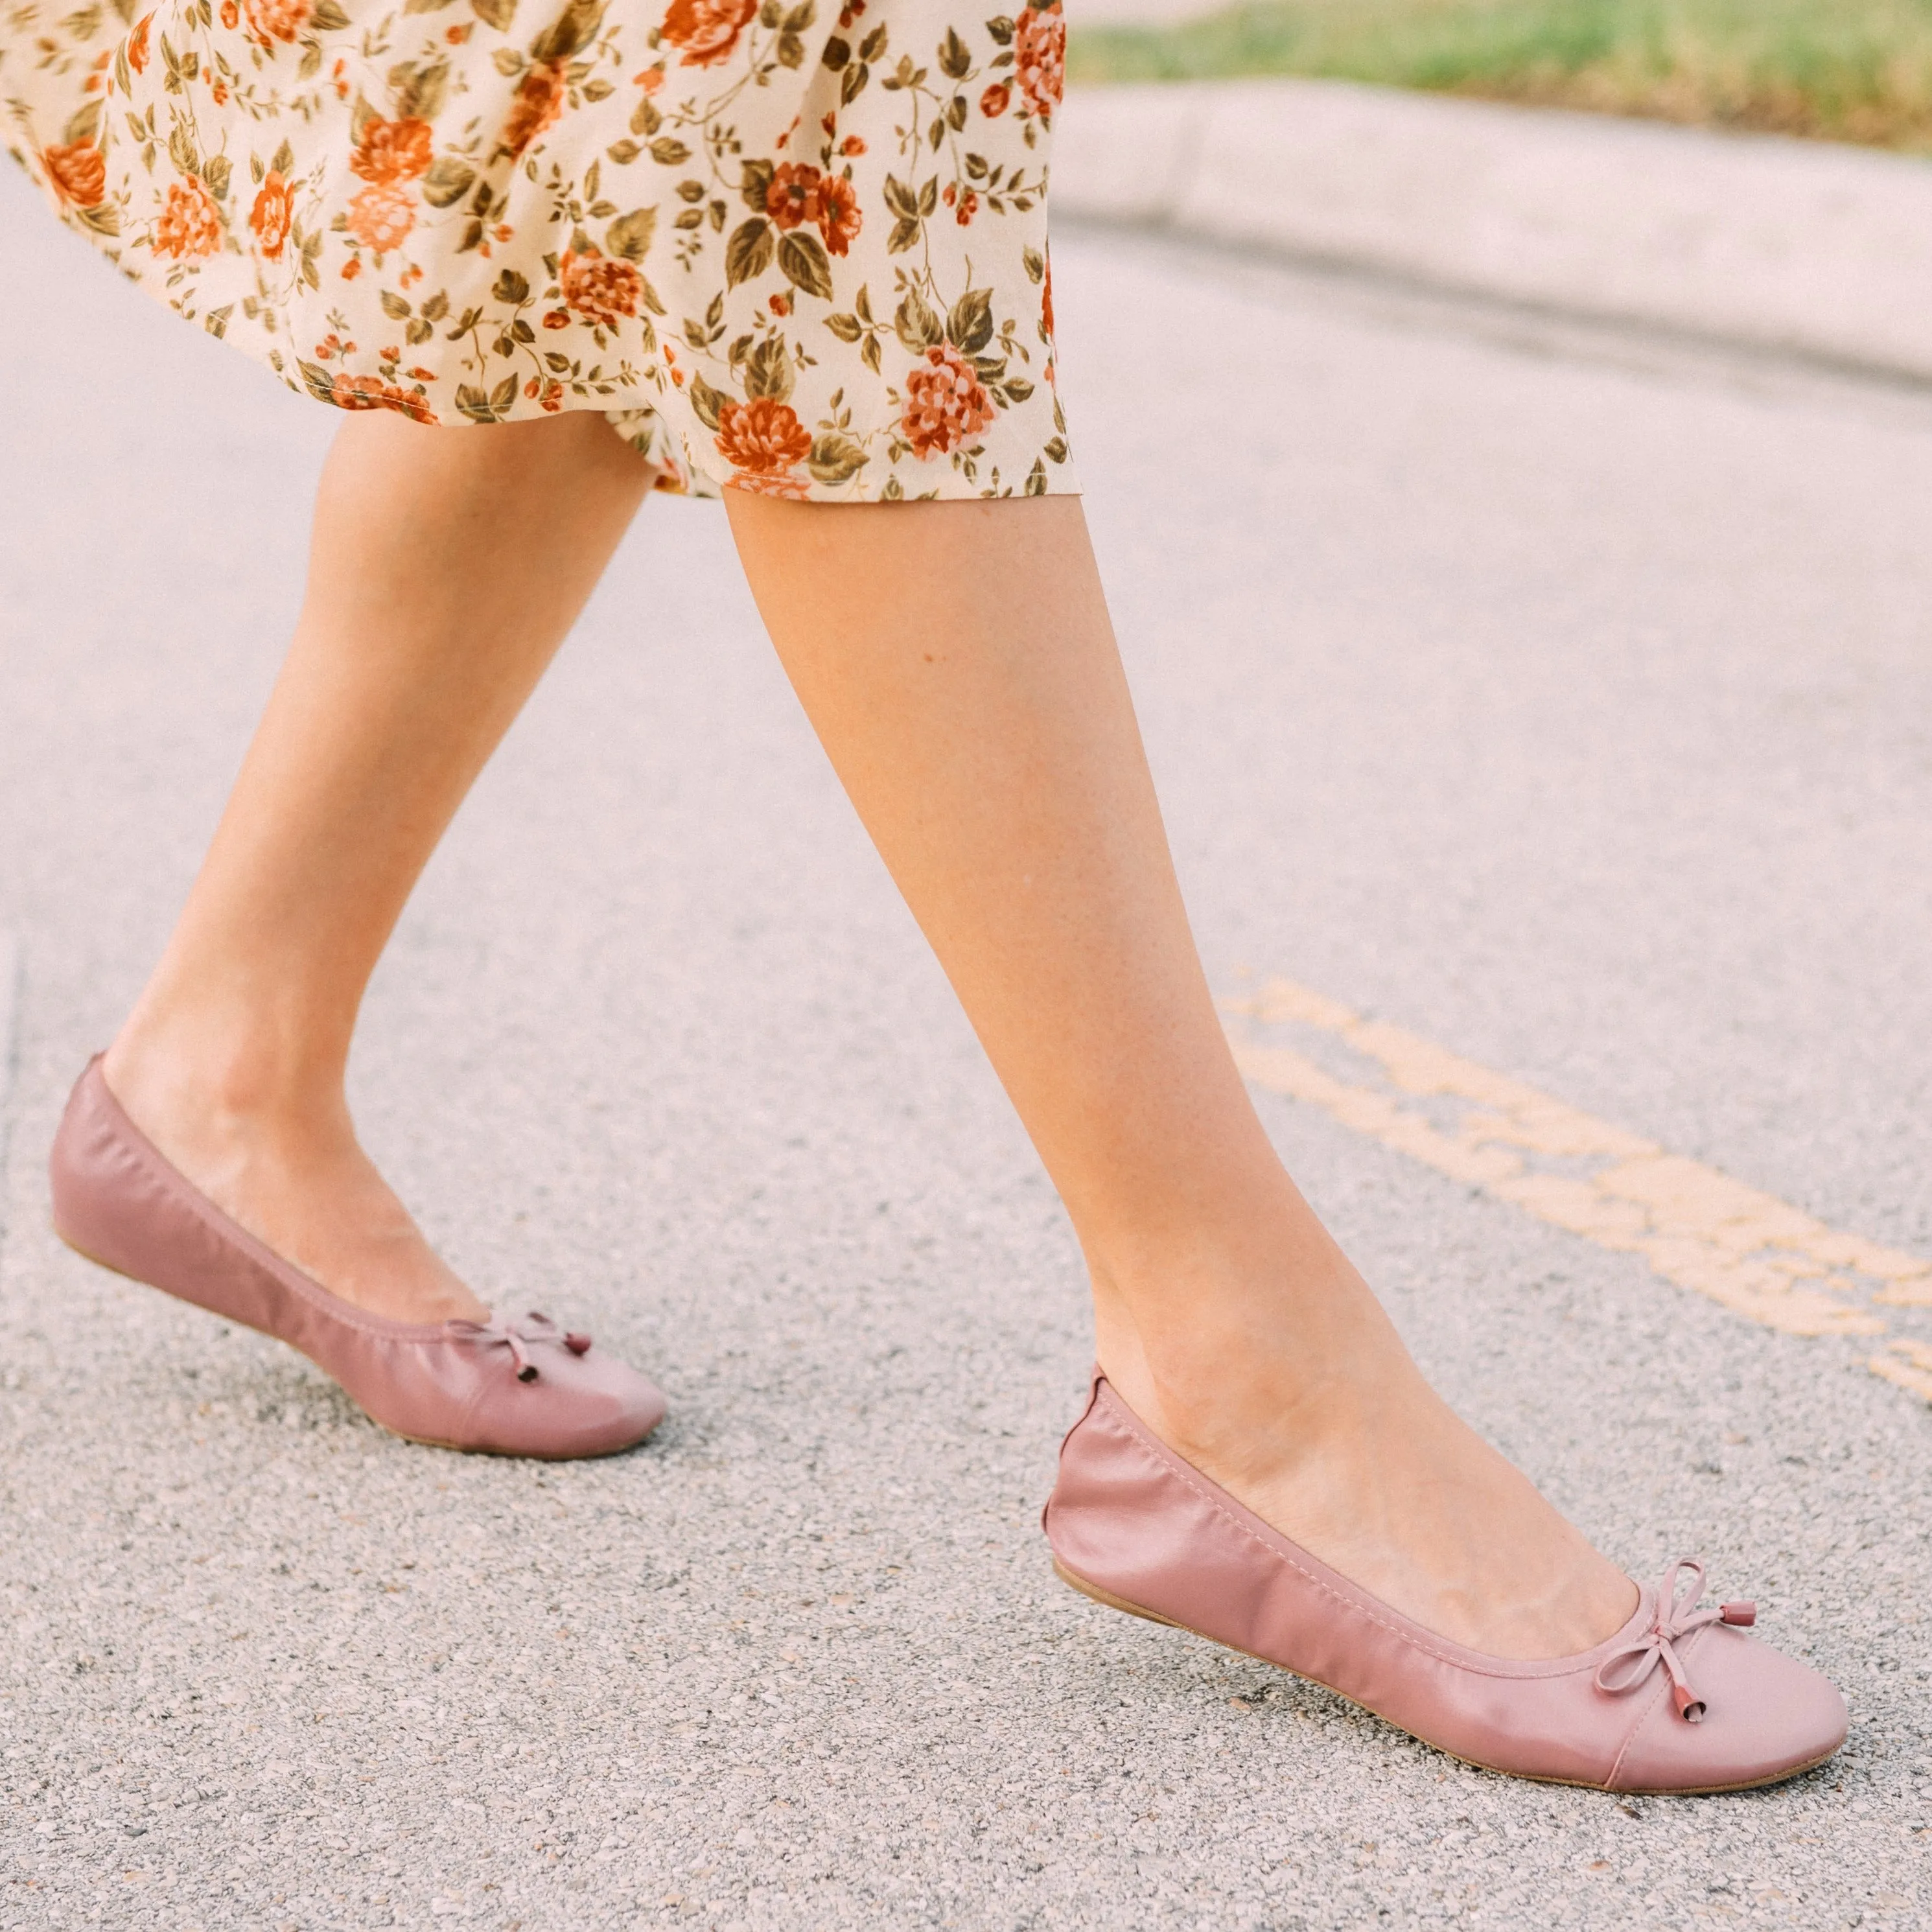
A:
1907	1363
1696	1227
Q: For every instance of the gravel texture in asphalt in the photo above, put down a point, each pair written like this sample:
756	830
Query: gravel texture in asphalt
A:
1560	698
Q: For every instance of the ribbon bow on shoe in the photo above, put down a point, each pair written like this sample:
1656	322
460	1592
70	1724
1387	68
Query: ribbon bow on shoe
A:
1677	1616
518	1336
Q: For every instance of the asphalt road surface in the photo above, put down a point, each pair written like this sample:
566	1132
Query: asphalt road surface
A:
1563	698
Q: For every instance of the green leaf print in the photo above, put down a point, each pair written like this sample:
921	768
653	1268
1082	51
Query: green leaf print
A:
915	324
572	32
835	458
748	253
706	401
630	234
768	371
802	256
447	180
969	327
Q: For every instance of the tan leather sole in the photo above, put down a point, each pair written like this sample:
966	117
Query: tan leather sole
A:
1077	1582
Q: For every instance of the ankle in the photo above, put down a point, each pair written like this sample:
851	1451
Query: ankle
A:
225	1072
267	1138
1224	1363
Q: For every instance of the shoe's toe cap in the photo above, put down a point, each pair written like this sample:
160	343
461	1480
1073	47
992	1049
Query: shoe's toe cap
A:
590	1405
612	1406
1766	1716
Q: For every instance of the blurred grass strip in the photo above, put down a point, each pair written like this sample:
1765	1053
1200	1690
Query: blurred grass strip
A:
1836	70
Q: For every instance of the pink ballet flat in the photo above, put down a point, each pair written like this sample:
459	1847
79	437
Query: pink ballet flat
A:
1680	1699
520	1387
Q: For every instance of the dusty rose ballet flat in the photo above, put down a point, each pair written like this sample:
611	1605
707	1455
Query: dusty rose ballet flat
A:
520	1387
1680	1699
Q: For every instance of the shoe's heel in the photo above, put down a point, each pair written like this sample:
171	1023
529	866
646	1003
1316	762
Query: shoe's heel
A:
87	1176
1107	1597
117	1201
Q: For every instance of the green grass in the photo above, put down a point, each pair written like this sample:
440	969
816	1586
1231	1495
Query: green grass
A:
1838	69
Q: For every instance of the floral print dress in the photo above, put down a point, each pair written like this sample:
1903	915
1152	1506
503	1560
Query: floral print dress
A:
792	246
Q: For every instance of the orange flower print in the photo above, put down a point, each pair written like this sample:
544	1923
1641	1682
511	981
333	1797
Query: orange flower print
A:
269	217
791	487
272	20
370	392
799	193
993	102
761	438
78	172
231	14
792	197
380	218
1040	56
706	31
190	226
539	100
839	219
392	150
946	404
1046	298
137	43
600	287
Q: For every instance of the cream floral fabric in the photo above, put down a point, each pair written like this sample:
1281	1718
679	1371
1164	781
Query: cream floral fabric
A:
791	245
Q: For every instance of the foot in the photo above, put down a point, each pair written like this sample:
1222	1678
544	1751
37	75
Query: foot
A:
296	1179
1365	1466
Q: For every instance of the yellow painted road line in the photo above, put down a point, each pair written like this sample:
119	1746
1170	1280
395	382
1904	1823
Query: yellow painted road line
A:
1696	1227
1907	1363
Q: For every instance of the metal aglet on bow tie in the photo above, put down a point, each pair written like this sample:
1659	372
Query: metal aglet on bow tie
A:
518	1336
1677	1617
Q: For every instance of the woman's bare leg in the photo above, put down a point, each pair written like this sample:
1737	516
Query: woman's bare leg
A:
957	663
446	568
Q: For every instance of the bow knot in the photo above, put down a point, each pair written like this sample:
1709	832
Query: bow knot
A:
1677	1617
520	1336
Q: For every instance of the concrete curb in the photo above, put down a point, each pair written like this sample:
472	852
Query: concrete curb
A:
1821	251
